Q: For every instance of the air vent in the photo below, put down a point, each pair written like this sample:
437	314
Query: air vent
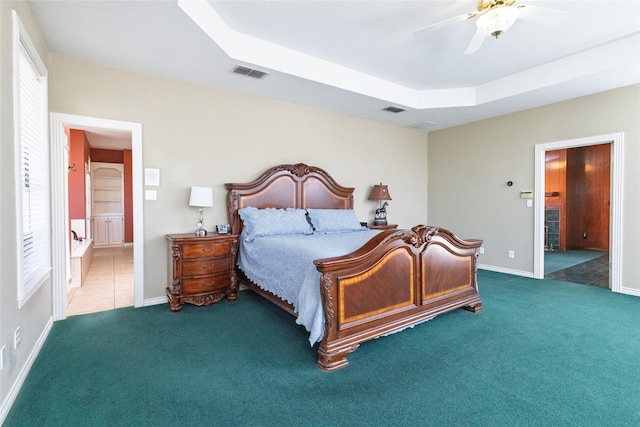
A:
422	125
245	71
393	109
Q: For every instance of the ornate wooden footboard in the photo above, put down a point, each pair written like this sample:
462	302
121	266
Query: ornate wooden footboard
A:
398	279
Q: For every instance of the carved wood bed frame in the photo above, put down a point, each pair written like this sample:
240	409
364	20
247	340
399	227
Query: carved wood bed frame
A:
398	279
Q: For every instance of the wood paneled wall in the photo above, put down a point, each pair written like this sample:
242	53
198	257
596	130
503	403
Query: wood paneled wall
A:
581	178
588	188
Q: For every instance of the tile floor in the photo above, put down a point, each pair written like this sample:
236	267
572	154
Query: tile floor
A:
109	283
592	273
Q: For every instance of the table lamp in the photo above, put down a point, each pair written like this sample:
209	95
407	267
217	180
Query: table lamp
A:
202	197
380	193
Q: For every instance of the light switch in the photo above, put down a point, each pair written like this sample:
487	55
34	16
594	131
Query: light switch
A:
151	195
529	203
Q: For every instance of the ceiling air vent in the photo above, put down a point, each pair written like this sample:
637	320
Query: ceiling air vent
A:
245	71
393	109
422	125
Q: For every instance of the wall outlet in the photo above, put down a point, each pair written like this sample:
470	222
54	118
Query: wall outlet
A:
481	250
512	254
3	356
17	337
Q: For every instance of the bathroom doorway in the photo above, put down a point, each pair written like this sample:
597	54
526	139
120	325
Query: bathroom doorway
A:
101	220
61	233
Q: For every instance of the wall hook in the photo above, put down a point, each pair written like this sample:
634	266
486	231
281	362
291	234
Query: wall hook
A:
72	167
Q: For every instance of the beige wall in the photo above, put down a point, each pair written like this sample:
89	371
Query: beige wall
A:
201	136
470	165
34	316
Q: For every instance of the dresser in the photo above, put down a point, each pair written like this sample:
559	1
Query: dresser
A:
201	269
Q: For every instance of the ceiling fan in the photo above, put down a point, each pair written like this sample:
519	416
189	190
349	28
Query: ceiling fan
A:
497	16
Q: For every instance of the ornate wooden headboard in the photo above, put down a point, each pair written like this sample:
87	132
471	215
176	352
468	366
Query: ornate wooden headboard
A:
288	186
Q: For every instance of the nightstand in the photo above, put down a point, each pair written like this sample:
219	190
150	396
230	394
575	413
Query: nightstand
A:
382	227
201	269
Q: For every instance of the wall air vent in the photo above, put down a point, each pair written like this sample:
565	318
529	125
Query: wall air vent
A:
422	125
393	109
245	71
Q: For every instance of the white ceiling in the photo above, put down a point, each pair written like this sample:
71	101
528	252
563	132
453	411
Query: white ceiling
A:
108	139
357	57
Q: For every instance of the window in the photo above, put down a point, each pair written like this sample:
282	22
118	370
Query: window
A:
32	161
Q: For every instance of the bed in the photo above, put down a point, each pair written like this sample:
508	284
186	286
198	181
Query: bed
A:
394	280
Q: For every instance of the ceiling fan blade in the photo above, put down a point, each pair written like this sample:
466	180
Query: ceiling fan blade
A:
429	28
475	43
543	15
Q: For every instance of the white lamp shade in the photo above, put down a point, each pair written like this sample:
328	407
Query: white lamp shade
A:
201	197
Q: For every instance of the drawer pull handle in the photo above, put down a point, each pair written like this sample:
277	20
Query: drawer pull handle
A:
213	282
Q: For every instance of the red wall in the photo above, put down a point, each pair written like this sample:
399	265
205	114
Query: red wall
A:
78	155
107	156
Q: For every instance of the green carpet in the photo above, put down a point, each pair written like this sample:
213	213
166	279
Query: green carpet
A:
541	353
558	260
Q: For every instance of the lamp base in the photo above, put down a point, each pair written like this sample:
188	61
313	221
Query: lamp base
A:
380	221
201	232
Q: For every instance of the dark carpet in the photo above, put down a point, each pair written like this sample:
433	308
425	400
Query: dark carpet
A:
542	353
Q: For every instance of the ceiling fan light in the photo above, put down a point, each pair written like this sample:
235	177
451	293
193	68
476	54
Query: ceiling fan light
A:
497	21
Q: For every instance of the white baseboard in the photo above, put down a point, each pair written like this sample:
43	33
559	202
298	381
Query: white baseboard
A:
630	291
623	289
505	270
155	301
22	376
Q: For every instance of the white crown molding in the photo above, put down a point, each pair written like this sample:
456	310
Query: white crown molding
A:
260	53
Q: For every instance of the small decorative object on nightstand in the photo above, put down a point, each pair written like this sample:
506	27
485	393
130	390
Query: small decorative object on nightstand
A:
380	193
201	197
202	269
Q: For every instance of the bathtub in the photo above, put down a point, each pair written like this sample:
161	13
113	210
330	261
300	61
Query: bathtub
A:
81	259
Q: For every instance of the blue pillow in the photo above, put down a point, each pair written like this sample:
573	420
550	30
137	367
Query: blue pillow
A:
334	220
273	222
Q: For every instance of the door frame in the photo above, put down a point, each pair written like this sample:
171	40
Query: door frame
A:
59	203
615	224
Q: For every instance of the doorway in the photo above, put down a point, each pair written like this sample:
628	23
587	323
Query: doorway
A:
577	195
615	193
59	205
101	218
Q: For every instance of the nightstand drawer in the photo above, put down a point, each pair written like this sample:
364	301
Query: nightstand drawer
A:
206	284
205	266
206	249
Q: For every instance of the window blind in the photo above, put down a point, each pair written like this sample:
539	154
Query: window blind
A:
33	169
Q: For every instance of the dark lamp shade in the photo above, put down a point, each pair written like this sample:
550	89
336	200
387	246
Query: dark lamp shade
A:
379	192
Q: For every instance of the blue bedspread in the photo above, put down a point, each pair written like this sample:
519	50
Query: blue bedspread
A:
284	266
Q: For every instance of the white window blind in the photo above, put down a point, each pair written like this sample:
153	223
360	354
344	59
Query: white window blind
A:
33	194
